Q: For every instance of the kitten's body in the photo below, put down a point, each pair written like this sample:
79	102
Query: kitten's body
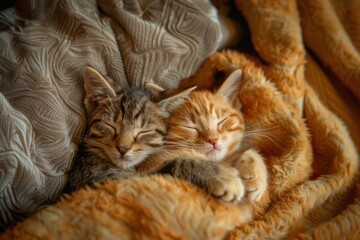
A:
274	128
109	150
125	127
218	134
207	124
208	127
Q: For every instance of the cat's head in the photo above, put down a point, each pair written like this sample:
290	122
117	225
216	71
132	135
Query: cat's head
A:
208	123
125	125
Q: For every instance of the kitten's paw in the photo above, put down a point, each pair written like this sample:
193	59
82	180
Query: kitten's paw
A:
219	180
253	172
227	185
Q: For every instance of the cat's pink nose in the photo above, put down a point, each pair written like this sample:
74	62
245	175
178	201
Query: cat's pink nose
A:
212	141
123	150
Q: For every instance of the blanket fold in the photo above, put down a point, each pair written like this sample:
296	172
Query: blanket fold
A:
327	37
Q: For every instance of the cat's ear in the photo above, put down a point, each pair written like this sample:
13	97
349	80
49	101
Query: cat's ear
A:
154	88
159	93
96	87
173	98
230	86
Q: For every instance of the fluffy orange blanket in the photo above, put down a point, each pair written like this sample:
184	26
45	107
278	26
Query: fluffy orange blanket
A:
160	207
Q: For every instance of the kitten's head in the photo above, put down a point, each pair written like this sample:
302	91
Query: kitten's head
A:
207	122
125	125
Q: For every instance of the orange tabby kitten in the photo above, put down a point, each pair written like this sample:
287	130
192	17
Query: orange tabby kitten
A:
208	124
273	126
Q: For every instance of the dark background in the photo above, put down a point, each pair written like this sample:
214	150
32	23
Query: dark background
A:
6	4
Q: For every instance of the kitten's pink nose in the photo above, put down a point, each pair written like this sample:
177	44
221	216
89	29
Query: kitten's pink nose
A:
123	150
213	141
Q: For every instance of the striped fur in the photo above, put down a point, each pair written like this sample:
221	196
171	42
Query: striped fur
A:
208	124
125	126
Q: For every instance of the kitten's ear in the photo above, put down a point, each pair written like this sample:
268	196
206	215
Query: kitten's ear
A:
230	86
157	92
173	98
96	87
154	87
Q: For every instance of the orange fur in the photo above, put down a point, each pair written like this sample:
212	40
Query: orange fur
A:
284	141
150	207
195	123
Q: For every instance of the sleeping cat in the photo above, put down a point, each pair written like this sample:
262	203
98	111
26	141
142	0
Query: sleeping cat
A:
273	127
125	127
208	124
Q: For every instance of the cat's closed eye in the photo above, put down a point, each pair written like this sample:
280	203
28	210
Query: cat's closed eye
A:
143	133
101	130
190	127
221	121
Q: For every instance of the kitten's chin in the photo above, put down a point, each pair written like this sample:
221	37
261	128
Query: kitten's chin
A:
215	155
128	162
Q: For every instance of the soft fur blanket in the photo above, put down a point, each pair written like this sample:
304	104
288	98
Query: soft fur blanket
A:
44	48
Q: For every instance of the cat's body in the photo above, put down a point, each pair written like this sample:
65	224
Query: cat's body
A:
125	127
209	127
273	126
116	142
208	124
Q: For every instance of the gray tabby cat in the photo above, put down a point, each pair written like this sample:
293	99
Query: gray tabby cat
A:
126	126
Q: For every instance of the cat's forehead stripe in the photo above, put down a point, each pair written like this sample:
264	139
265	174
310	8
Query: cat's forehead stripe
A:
195	109
211	107
121	104
140	110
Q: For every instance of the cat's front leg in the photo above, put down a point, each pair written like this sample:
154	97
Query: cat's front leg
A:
253	172
218	179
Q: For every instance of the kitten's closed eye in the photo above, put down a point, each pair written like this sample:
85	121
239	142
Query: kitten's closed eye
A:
143	133
222	121
193	128
101	130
